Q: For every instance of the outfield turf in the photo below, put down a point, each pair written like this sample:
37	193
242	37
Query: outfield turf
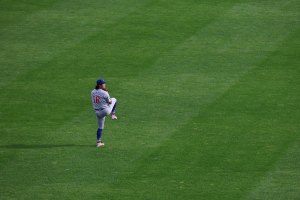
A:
208	99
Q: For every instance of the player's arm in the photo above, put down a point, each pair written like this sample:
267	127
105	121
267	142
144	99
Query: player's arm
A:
108	99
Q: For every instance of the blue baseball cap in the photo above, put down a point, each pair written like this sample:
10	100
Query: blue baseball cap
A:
100	82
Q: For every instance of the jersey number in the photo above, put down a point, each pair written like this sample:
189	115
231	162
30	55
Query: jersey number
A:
96	99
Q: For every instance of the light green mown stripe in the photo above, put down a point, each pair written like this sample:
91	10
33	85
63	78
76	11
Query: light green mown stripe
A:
282	183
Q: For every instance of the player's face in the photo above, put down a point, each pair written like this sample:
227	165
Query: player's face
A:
103	86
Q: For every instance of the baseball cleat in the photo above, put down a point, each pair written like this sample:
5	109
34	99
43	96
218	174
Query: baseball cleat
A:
114	117
100	144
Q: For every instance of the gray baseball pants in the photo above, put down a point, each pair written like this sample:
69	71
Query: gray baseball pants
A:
101	114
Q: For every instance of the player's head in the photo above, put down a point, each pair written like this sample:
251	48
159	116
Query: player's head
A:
100	84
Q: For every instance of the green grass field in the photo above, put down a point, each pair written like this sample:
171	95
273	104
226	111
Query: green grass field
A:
208	99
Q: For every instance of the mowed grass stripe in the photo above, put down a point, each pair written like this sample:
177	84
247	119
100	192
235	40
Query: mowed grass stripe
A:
204	77
41	79
283	181
36	108
48	165
80	70
133	145
44	31
268	53
226	150
58	168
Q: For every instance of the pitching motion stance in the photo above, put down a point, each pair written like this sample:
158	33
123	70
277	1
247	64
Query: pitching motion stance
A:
103	106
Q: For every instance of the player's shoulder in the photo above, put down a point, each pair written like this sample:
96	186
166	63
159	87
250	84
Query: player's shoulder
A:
103	91
100	92
95	92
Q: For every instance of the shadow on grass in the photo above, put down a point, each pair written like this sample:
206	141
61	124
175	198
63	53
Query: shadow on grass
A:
41	146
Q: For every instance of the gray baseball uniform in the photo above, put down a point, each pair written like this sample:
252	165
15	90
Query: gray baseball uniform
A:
100	101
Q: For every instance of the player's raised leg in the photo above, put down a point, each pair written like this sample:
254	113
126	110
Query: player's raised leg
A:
113	107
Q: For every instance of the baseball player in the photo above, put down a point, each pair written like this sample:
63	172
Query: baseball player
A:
103	106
